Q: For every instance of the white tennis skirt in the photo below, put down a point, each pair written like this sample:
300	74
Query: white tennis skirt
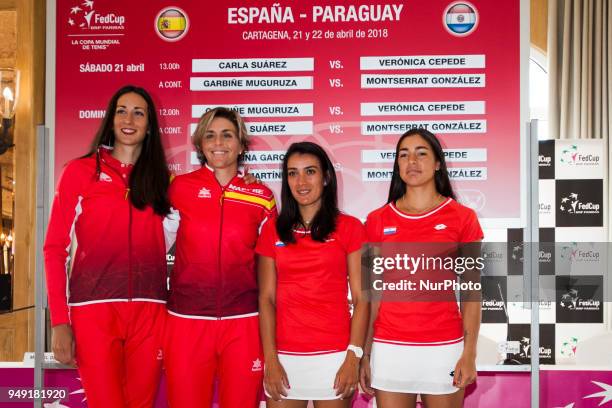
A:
414	369
311	377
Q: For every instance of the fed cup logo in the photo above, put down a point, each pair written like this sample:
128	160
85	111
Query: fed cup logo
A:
460	18
571	204
83	16
573	157
571	300
171	24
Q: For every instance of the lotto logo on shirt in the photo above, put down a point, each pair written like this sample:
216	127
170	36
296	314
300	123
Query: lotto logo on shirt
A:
105	177
279	244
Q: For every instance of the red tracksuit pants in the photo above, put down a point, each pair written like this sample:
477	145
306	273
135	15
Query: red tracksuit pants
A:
197	351
118	352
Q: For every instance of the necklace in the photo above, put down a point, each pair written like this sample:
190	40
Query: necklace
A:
413	210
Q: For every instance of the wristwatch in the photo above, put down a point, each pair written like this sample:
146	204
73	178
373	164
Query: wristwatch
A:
357	350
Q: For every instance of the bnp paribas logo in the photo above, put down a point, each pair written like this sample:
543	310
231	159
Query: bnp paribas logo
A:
573	157
571	204
83	15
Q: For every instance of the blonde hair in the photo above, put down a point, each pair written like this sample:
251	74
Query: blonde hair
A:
204	123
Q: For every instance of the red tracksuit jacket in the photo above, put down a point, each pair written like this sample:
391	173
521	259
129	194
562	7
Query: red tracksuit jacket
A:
214	273
120	251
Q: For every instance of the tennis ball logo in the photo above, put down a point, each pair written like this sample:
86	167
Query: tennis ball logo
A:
171	24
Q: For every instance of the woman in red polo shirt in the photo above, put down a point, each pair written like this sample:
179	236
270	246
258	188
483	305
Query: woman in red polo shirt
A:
422	345
308	259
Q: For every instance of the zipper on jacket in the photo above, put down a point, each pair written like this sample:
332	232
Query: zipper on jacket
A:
127	198
219	273
130	278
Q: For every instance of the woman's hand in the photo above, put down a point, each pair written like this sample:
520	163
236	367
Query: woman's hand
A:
249	178
365	375
62	344
276	383
347	376
465	371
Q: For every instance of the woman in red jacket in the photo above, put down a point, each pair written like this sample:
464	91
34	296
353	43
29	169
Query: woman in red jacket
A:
213	324
110	203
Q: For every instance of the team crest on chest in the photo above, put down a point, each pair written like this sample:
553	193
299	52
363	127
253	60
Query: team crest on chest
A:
204	193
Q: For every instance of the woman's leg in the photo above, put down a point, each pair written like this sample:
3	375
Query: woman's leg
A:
387	399
339	403
454	400
143	353
241	365
190	361
270	403
99	353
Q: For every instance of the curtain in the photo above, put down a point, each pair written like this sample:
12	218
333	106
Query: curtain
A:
580	68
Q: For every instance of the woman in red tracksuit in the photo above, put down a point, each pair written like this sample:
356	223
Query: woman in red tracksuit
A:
213	324
111	203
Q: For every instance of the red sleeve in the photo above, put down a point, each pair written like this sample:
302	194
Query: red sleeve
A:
352	234
267	239
64	213
373	227
471	227
270	206
272	211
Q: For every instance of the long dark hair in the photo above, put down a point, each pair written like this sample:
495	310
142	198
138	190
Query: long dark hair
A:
397	189
150	177
324	222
